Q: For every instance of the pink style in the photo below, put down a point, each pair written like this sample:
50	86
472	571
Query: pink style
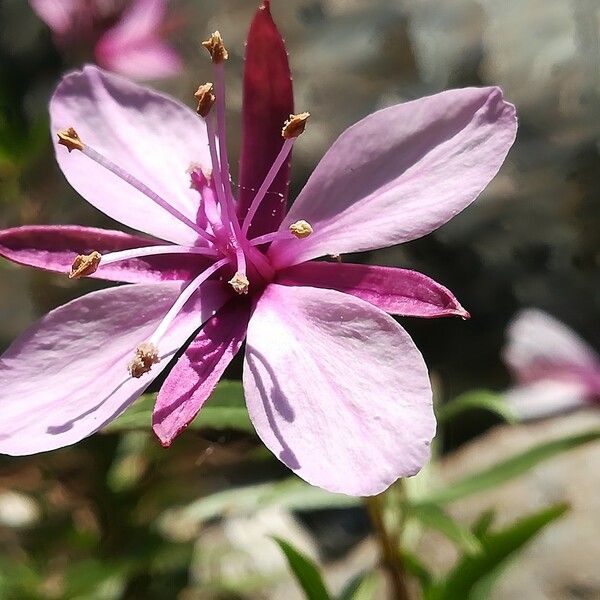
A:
127	35
335	387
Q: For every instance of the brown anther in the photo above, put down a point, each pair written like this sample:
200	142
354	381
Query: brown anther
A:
206	98
301	229
240	284
216	48
85	264
70	139
146	355
295	125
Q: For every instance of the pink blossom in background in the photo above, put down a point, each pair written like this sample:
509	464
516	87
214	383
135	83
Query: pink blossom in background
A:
554	368
127	35
335	387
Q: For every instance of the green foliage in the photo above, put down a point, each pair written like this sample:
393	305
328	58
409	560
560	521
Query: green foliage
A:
305	571
362	587
476	399
224	410
506	470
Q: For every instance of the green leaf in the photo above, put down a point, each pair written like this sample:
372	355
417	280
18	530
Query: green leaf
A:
478	399
225	409
483	523
508	469
413	566
474	575
361	587
434	517
306	572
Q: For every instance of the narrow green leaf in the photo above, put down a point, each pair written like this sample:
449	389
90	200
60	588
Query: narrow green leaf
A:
306	572
509	469
362	587
413	566
225	409
483	523
474	572
434	517
478	399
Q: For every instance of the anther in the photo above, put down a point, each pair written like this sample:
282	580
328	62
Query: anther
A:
146	355
240	284
70	139
295	125
206	98
301	229
85	264
216	48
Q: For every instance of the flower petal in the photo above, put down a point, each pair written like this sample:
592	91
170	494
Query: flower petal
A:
198	371
133	48
396	291
268	102
57	14
546	398
540	347
151	136
401	173
337	390
54	247
67	376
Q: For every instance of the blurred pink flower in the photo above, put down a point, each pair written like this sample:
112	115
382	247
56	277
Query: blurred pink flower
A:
126	34
556	370
334	386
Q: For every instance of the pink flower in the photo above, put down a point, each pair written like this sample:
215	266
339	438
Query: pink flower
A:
334	386
126	34
554	368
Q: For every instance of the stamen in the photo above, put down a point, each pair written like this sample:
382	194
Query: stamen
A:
216	48
70	139
206	98
301	229
122	255
295	125
145	356
185	295
131	180
240	284
85	264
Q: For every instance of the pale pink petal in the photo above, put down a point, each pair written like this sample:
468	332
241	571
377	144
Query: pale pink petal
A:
152	136
67	376
198	371
396	291
401	173
541	347
54	247
546	398
59	15
133	47
337	390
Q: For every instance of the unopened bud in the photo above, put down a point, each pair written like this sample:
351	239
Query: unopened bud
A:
146	355
216	48
70	139
295	125
240	284
301	229
85	264
206	98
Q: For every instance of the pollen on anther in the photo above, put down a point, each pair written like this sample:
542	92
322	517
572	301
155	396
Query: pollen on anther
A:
85	264
240	284
206	98
70	139
216	48
295	125
301	229
146	355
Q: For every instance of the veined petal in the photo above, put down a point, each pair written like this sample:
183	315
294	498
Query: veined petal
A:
54	247
401	173
134	49
541	347
268	102
198	371
337	390
546	398
396	291
150	135
67	376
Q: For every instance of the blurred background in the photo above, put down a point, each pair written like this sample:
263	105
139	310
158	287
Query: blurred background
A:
119	517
